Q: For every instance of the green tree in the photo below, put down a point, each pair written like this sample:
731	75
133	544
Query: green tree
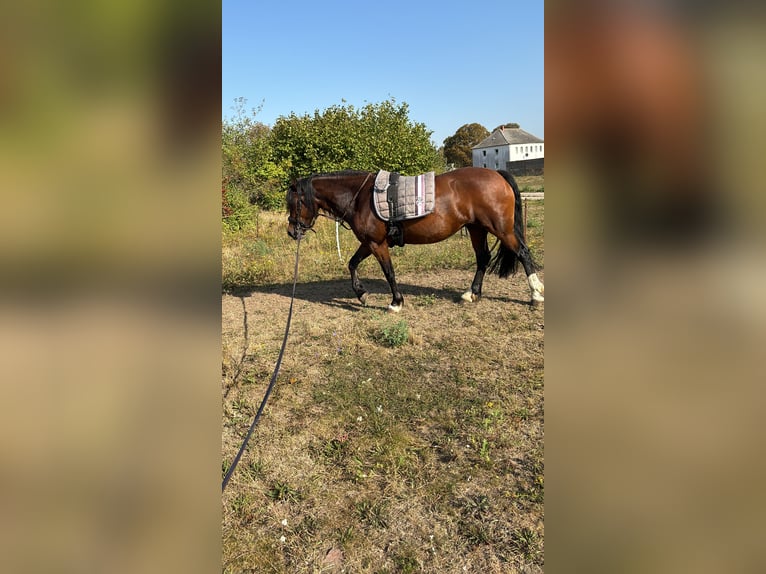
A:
457	147
376	136
249	167
512	125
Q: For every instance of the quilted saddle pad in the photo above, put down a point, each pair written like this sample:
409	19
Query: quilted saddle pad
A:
397	197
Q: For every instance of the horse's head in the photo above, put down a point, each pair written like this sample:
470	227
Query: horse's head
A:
302	207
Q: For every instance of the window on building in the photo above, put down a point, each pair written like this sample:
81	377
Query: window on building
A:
495	151
484	153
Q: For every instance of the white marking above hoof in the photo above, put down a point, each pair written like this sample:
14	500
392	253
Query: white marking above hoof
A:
468	297
537	298
394	308
535	284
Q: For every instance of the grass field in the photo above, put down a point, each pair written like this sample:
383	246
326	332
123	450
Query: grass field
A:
392	443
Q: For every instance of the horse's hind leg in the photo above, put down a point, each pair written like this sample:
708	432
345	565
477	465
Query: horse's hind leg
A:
536	286
513	249
362	253
481	249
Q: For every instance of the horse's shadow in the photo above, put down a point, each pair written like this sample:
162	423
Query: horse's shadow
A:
338	293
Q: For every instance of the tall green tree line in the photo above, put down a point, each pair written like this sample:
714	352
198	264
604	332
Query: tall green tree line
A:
258	161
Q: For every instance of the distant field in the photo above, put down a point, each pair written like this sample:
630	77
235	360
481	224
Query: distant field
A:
531	182
392	443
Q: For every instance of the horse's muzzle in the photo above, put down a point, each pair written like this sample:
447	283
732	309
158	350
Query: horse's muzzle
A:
294	232
298	229
294	229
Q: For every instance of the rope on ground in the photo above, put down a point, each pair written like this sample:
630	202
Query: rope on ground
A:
271	382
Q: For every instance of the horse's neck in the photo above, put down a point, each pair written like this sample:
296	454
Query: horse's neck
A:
338	202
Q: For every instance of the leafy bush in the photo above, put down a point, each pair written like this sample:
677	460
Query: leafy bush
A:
237	210
394	334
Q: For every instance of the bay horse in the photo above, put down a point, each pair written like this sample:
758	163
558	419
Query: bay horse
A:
481	200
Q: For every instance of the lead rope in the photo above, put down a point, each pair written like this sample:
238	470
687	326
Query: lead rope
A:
337	239
343	217
273	377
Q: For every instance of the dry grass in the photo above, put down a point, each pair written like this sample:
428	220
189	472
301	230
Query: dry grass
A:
531	182
425	456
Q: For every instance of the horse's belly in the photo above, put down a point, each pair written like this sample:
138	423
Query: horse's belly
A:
430	230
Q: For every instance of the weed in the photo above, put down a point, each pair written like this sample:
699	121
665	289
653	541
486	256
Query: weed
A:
258	248
406	561
253	469
425	300
283	492
474	532
522	413
373	514
337	342
393	334
345	535
242	407
525	542
476	505
484	451
240	503
307	527
335	450
493	417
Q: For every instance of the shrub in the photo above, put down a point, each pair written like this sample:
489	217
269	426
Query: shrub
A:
237	210
394	334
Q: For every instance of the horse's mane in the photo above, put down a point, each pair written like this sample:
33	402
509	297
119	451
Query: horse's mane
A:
302	182
339	174
305	188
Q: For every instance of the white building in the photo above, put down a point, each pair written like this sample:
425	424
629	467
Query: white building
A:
507	145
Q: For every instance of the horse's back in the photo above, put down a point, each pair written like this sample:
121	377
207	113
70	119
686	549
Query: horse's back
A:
474	183
479	175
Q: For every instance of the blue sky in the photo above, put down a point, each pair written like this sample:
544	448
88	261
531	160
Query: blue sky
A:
453	62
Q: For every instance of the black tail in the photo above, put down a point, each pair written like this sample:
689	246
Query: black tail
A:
505	262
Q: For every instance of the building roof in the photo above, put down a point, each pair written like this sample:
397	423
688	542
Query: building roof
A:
507	136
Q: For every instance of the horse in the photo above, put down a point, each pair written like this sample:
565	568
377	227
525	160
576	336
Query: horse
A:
482	200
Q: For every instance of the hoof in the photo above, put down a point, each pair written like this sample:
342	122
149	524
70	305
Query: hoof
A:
394	308
363	298
536	300
468	297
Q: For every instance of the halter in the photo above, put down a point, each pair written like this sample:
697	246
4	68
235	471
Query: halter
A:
298	225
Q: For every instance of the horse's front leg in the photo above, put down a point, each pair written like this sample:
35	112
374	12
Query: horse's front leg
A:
381	253
362	253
